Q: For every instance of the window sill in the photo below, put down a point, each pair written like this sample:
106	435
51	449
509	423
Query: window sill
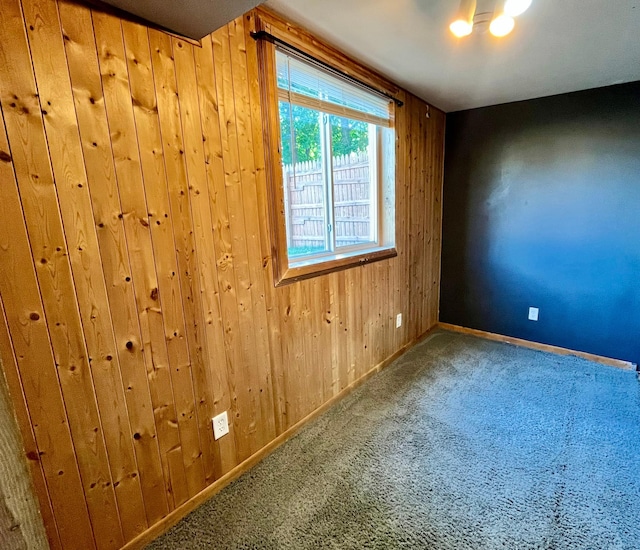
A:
338	262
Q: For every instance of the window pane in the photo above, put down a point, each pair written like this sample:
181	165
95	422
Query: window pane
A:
354	181
304	179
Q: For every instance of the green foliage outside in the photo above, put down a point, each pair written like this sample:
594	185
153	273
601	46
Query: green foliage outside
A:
347	136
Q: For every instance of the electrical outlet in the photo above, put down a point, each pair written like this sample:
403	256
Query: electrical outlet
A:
399	320
220	425
533	313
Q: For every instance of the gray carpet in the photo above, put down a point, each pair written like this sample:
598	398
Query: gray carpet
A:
461	444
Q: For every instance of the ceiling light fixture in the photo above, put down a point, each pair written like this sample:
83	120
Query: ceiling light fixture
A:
463	24
502	21
502	25
516	7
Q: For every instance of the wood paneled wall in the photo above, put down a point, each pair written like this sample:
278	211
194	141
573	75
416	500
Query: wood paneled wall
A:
137	296
20	523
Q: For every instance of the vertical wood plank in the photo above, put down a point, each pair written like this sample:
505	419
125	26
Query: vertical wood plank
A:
416	226
23	116
437	181
343	330
404	215
430	217
247	383
284	372
222	336
258	116
201	208
353	327
22	525
424	215
249	184
298	392
7	351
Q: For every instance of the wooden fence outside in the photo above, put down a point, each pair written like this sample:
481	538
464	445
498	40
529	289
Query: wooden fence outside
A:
307	200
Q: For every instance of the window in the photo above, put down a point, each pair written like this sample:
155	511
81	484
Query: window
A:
336	183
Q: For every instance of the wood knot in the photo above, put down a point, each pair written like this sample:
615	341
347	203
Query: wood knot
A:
154	294
32	455
34	316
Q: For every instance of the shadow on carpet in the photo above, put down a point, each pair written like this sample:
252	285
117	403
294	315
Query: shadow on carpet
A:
462	443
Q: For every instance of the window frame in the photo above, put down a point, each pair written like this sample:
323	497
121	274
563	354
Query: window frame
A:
329	206
284	270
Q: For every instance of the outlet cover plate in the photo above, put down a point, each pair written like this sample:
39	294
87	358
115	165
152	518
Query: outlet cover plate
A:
399	320
533	313
220	425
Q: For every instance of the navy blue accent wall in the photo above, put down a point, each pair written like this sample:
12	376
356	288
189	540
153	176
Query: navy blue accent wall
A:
542	208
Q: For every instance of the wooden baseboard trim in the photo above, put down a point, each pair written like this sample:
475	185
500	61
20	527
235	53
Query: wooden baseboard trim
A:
618	363
176	515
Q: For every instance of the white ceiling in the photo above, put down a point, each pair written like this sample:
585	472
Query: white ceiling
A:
192	18
557	46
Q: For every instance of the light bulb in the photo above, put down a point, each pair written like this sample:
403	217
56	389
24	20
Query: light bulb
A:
461	28
463	24
502	25
516	7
